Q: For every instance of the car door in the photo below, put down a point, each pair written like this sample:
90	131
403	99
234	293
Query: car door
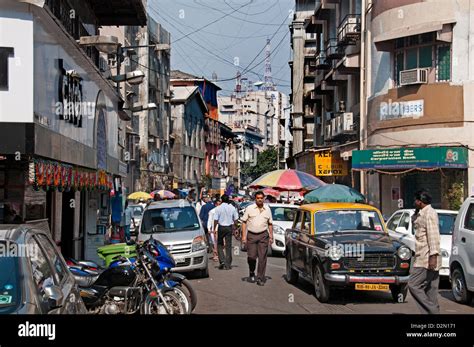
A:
302	240
293	235
466	243
63	278
43	275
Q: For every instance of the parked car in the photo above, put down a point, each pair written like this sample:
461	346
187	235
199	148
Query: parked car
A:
400	227
283	216
36	279
176	224
345	245
137	217
461	262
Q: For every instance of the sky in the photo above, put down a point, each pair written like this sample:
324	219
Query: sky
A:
226	36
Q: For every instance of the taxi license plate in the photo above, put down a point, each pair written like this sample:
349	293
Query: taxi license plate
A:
370	286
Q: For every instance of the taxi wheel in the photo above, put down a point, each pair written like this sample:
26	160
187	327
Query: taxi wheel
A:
291	274
322	290
458	285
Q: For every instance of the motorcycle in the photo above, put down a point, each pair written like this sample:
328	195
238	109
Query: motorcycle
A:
111	253
128	286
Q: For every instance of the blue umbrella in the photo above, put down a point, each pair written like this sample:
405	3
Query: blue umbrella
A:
334	193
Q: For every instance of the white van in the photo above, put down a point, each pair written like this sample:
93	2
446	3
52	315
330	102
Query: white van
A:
461	262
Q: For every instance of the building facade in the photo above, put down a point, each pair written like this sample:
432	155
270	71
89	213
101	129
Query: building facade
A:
326	99
59	117
419	116
208	91
188	110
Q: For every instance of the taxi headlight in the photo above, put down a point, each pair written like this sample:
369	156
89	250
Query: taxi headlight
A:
404	253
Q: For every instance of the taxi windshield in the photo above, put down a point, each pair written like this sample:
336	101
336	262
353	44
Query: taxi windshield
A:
341	220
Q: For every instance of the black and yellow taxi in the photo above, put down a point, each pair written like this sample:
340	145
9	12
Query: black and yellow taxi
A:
345	245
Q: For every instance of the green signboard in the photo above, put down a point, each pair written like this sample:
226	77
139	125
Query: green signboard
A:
406	158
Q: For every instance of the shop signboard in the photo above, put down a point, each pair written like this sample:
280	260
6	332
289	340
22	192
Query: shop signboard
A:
330	164
407	158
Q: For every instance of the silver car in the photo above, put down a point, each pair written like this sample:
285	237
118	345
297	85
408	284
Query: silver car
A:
176	224
34	278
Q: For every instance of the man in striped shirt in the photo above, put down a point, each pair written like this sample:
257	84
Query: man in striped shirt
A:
424	275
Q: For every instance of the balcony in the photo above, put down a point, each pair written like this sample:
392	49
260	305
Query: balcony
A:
348	32
119	12
308	112
349	65
333	50
310	52
311	37
321	62
309	71
343	124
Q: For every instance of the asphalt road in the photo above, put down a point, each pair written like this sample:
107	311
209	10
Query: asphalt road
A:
228	292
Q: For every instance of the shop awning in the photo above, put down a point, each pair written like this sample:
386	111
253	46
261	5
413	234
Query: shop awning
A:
411	158
410	30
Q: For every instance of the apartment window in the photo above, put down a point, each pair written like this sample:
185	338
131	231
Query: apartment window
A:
422	51
443	61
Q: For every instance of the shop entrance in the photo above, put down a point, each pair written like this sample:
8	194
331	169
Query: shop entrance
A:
412	182
67	224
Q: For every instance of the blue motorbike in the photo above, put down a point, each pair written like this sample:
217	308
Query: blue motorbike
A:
160	265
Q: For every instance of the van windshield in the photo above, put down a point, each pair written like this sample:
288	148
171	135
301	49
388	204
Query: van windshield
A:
165	220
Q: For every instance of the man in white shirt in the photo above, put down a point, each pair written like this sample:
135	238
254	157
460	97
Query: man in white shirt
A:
225	217
257	234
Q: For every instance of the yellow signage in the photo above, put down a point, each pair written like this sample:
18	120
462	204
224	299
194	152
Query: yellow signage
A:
330	164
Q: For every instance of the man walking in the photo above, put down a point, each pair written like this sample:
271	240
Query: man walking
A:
257	234
128	219
225	217
424	275
204	216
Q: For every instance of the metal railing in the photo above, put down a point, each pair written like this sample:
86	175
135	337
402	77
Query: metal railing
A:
62	11
348	31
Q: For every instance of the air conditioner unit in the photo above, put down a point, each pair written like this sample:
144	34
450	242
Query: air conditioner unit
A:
413	76
327	132
347	122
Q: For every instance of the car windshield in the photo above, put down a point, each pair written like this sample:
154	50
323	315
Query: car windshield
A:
137	210
9	282
446	223
283	214
341	220
171	219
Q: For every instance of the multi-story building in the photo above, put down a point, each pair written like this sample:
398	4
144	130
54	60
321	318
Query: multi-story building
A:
208	91
59	115
147	141
263	110
188	110
330	98
419	119
304	46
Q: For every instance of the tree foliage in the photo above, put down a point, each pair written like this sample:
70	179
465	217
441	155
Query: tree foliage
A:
266	162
